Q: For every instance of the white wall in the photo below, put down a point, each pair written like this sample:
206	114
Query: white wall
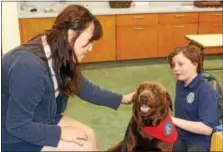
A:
10	26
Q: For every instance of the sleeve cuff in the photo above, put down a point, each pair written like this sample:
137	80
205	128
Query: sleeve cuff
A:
54	136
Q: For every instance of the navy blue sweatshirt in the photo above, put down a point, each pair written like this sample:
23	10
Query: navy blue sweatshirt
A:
29	106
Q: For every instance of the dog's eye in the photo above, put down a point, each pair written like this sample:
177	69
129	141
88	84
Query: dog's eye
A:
140	90
155	91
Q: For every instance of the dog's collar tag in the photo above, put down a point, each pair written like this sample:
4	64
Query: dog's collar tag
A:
165	131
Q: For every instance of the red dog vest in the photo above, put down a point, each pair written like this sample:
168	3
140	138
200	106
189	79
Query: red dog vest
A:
165	131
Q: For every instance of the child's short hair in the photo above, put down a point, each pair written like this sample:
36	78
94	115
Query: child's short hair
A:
190	52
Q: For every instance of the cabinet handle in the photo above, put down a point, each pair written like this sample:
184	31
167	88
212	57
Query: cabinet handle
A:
178	27
217	25
180	15
138	17
218	14
138	28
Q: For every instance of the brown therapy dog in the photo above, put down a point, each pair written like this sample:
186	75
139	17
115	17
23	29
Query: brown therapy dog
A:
151	127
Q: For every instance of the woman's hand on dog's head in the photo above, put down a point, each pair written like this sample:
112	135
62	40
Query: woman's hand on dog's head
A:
127	99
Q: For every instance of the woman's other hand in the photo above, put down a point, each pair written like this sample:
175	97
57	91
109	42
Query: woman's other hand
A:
73	134
127	99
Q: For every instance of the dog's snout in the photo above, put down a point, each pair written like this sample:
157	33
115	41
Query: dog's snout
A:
143	98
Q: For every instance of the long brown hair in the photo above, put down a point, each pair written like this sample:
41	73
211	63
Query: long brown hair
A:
190	52
65	63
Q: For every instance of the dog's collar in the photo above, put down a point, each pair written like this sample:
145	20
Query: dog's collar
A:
165	131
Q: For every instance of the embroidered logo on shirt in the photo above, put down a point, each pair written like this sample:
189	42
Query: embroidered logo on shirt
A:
190	97
168	129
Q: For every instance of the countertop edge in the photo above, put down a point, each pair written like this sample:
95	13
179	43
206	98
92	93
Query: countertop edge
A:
111	11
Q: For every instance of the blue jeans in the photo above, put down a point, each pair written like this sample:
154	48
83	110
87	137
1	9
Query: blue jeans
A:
25	146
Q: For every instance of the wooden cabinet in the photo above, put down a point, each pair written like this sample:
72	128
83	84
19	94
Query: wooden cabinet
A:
210	28
30	27
211	23
137	36
137	42
172	30
178	18
210	17
105	48
136	19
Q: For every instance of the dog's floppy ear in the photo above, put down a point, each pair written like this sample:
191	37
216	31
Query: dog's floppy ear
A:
169	100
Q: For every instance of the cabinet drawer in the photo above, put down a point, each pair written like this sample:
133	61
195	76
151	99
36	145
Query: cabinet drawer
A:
178	18
30	27
210	28
172	36
137	42
137	19
101	52
211	17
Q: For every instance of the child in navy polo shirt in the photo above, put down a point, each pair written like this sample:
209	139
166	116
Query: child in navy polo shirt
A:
196	104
